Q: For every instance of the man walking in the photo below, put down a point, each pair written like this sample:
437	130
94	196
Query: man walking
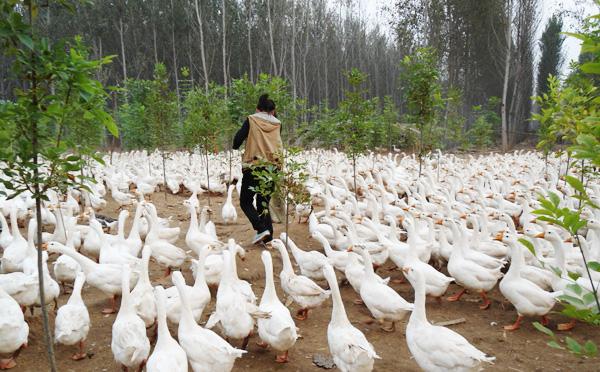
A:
262	133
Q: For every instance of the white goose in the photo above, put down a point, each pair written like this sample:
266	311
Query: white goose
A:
452	351
278	331
383	302
194	238
306	293
13	330
66	268
142	296
130	345
310	262
165	253
233	312
5	236
198	295
72	322
105	277
527	298
350	349
337	259
18	249
228	211
206	351
167	354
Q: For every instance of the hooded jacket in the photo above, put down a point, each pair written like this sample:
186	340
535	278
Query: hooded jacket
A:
262	133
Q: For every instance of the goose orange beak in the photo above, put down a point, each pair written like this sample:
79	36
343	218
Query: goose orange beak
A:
350	249
44	246
540	236
499	236
439	222
569	240
463	216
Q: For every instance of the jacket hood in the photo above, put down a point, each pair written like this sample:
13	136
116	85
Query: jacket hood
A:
266	122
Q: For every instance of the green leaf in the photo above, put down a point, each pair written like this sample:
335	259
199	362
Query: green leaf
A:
555	345
528	245
593	265
590	348
26	39
591	68
575	184
543	329
554	198
573	345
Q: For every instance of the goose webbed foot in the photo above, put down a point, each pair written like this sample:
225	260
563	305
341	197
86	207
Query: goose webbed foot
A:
7	363
515	326
113	306
283	358
486	301
302	314
457	296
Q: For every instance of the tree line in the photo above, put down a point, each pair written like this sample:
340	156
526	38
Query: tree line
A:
482	49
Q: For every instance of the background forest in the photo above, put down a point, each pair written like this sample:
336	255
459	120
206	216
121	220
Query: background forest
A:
195	67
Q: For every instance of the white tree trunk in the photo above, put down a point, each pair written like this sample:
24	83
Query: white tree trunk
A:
202	53
294	52
273	60
123	60
507	62
225	82
249	10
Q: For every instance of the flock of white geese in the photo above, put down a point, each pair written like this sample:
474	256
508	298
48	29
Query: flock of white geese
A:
460	222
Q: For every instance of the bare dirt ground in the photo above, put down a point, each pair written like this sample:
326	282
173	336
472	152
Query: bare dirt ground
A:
522	350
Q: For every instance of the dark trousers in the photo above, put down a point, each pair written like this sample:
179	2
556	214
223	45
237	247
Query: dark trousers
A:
259	217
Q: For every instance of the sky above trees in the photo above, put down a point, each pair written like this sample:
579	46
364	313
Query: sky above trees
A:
373	11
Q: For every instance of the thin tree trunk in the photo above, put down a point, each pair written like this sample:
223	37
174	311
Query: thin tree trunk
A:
164	173
224	31
175	67
506	76
249	11
123	60
202	52
38	212
294	52
154	40
207	176
270	24
354	175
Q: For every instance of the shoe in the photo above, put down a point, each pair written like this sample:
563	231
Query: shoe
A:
259	237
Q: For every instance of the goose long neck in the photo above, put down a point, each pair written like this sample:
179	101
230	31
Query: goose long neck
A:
121	226
76	295
516	260
3	223
193	217
200	279
135	232
13	222
125	296
368	263
285	258
186	313
86	263
270	293
161	316
419	302
338	313
559	254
